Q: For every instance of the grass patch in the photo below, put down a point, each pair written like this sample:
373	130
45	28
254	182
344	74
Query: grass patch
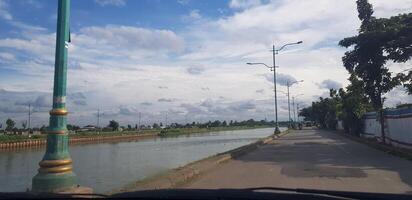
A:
185	131
19	138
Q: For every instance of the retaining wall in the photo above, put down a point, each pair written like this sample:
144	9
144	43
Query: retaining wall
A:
32	143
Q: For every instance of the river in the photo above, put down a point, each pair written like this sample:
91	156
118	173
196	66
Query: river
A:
109	166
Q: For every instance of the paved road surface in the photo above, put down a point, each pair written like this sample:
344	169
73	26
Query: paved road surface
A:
313	159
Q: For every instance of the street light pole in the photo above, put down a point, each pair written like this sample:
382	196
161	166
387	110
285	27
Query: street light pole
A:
277	131
297	110
55	173
289	104
293	105
288	84
274	52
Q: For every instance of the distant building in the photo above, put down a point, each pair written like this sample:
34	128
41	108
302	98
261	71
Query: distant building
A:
87	128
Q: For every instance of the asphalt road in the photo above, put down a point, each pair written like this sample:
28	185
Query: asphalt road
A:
313	159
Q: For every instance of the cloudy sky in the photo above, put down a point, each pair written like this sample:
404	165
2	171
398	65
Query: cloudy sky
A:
180	58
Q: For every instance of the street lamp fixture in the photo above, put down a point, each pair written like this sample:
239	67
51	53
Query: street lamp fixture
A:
271	68
294	43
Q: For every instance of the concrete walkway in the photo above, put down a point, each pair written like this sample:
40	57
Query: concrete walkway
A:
313	159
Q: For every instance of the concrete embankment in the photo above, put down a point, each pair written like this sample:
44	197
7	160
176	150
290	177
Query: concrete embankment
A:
181	175
33	143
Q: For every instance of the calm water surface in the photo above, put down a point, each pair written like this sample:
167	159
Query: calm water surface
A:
109	166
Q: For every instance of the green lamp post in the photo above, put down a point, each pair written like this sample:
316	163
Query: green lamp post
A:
55	173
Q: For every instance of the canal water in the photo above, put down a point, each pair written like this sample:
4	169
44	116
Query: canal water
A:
109	166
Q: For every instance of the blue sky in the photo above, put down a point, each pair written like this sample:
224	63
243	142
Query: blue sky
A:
131	13
185	58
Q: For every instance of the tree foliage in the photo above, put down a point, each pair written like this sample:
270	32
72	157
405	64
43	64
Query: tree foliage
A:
114	125
379	41
10	124
347	105
354	104
324	111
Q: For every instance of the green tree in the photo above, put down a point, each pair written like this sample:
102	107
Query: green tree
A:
216	123
114	125
24	124
10	124
324	111
43	129
354	105
72	127
307	113
224	123
156	126
378	41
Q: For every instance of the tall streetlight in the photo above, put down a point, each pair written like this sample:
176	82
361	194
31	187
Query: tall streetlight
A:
289	84
274	53
55	173
293	105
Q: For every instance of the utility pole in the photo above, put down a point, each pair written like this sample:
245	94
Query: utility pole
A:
293	109
29	122
166	121
98	119
140	116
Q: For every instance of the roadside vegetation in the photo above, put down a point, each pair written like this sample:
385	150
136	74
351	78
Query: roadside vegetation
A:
379	41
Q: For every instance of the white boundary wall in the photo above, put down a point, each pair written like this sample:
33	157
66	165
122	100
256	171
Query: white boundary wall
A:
398	126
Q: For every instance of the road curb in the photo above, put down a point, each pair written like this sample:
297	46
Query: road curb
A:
179	176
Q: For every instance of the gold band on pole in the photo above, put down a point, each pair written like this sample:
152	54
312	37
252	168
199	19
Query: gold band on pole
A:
55	166
57	132
58	111
53	163
60	169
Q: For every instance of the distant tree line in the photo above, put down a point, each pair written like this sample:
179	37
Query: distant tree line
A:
115	126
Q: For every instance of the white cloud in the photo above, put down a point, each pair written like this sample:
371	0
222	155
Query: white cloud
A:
193	15
183	2
118	3
131	38
241	4
7	56
330	84
4	13
384	8
26	27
